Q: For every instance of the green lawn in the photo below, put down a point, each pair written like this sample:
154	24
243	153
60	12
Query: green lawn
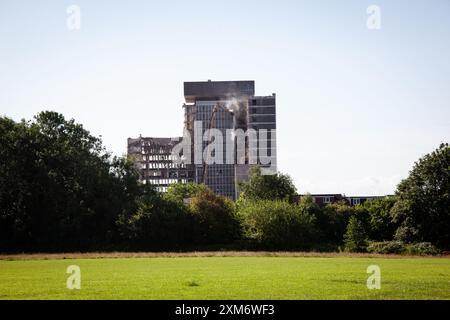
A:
227	278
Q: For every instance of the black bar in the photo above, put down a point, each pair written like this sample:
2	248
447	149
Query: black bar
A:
229	309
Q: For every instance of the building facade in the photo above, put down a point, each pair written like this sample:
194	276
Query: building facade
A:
229	108
154	161
262	118
218	177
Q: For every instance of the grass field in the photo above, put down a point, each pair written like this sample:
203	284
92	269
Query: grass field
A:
250	277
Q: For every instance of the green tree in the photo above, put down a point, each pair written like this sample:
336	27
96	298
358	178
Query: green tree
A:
214	217
157	224
423	206
17	161
332	221
178	192
267	187
355	238
59	188
276	224
381	223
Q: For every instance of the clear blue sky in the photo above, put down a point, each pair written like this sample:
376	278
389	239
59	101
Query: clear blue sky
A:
356	107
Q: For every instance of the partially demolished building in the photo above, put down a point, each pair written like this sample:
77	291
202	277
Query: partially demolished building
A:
155	163
219	105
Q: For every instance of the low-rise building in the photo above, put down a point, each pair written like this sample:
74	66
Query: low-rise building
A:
324	199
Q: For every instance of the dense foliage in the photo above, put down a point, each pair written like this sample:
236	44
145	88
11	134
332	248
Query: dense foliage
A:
214	217
423	206
277	224
156	224
355	238
399	247
267	187
61	191
182	193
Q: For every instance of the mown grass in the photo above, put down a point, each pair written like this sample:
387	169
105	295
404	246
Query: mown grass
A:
236	278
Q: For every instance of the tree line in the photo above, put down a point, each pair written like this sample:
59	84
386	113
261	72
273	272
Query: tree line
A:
60	190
